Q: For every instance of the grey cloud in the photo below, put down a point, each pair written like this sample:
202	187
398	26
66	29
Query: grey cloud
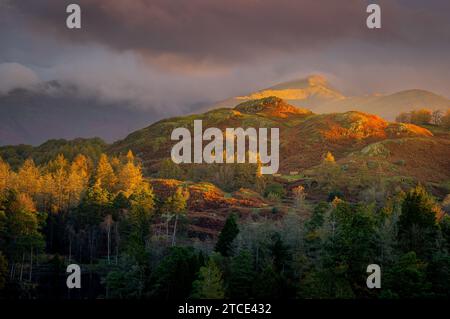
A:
228	31
15	75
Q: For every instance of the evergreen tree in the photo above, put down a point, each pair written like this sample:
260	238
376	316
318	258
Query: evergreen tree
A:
270	284
241	277
227	235
209	284
174	276
406	278
3	270
445	230
417	223
438	273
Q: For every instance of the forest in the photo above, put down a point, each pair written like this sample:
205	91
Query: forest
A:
103	214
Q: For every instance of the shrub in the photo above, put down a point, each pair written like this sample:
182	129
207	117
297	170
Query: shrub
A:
276	189
332	195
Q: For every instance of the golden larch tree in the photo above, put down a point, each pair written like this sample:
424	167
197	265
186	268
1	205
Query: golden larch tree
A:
28	179
104	174
78	179
5	175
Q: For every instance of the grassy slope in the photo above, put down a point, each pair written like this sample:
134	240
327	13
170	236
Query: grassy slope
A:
306	137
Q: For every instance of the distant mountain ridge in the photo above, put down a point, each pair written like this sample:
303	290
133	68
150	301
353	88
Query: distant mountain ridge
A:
58	111
316	94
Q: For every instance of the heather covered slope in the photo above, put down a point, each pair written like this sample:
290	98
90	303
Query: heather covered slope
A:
355	139
352	137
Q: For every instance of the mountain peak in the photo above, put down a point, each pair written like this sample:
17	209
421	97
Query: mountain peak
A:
303	83
272	106
317	80
307	92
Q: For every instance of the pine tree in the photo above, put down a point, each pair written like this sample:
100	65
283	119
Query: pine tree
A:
227	235
417	223
406	278
209	285
173	277
242	276
268	284
3	270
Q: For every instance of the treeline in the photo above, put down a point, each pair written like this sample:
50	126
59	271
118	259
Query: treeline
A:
16	155
424	117
325	257
81	210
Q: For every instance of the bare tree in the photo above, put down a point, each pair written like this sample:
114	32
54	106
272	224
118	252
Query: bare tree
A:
436	117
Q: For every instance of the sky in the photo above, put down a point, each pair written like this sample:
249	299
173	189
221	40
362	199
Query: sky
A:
174	55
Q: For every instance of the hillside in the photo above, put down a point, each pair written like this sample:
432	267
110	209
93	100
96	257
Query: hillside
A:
358	141
305	137
55	110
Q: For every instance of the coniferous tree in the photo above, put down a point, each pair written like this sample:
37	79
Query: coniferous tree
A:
210	284
227	235
417	223
5	175
406	278
3	271
28	179
242	276
130	176
105	176
174	276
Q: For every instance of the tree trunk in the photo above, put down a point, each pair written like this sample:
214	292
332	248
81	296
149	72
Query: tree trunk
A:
109	243
21	266
31	263
117	239
70	248
174	231
12	271
167	228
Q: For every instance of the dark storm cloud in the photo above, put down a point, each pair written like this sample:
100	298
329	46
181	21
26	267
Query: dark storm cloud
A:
237	30
171	54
